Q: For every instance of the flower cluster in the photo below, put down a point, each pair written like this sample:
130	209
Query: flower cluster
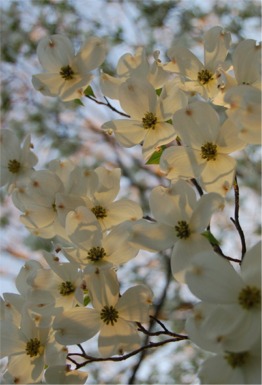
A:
189	118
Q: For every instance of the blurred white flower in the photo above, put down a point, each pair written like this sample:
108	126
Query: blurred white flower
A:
16	161
236	323
201	78
135	66
29	349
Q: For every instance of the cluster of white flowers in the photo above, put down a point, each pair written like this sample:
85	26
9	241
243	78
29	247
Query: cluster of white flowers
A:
172	109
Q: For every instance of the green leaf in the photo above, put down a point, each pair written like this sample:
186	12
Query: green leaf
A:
86	300
158	91
78	102
210	237
89	91
155	157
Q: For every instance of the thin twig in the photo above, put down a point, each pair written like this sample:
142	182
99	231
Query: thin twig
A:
158	308
109	105
165	331
235	220
90	359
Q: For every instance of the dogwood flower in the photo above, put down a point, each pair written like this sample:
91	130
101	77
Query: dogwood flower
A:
101	200
16	162
181	220
214	280
149	115
236	360
112	248
201	78
245	112
29	349
63	282
206	145
136	66
67	74
113	317
45	204
233	368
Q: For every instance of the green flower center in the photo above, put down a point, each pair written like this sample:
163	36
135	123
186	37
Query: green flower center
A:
66	288
182	230
67	73
14	166
96	254
99	211
249	297
109	315
209	151
204	76
33	347
149	121
236	359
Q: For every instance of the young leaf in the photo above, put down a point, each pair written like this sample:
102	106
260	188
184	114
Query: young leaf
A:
155	157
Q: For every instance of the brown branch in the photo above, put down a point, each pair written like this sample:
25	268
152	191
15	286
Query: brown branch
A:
90	359
165	331
108	104
158	308
235	220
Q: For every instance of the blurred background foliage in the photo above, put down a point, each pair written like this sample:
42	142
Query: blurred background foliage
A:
69	130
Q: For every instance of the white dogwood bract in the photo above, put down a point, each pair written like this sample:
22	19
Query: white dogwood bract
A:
201	78
66	74
16	162
112	316
192	120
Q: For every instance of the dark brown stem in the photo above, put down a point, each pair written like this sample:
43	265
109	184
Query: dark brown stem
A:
90	359
109	105
235	220
158	308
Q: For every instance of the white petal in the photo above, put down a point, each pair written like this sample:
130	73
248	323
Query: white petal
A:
108	185
103	287
180	162
228	140
76	325
183	253
82	227
173	204
163	133
63	375
92	54
151	236
120	211
213	279
23	370
137	97
197	124
110	86
127	132
216	370
206	206
218	175
116	339
247	62
183	62
54	52
216	45
134	304
251	266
